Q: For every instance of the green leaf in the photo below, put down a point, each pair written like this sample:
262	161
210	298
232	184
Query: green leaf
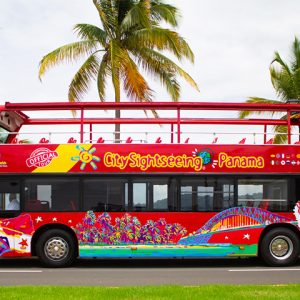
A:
244	114
165	12
81	81
91	32
68	53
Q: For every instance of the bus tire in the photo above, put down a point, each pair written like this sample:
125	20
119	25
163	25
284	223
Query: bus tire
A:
56	248
280	247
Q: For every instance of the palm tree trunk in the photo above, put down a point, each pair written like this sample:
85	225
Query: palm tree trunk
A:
116	83
117	127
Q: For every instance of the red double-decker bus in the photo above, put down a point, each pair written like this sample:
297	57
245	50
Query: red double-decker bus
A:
172	196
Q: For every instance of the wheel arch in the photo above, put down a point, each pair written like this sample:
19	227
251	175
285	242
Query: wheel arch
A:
39	232
277	225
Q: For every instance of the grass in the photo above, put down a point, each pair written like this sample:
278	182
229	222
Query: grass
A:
222	292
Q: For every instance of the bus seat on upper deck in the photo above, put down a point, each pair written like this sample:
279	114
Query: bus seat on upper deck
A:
100	140
43	141
72	140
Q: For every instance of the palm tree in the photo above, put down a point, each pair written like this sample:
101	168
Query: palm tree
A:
130	36
286	82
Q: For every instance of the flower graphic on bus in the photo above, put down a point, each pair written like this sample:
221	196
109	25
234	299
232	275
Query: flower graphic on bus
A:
102	229
86	157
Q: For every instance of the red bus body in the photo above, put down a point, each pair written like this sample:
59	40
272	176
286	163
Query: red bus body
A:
232	232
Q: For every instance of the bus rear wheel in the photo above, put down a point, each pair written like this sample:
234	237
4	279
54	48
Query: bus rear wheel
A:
56	248
280	247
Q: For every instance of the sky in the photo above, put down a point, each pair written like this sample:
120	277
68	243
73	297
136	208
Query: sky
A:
233	42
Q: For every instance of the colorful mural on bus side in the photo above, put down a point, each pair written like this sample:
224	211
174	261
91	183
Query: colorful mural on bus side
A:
232	232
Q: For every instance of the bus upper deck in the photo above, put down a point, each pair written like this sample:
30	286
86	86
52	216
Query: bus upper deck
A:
164	122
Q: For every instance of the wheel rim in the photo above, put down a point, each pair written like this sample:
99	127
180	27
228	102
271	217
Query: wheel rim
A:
281	247
56	248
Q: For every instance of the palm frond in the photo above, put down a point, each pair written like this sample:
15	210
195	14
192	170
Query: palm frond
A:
171	84
280	134
296	79
277	58
103	72
162	39
123	8
164	12
68	53
283	84
136	17
245	113
296	55
108	16
159	65
163	62
134	83
82	79
91	32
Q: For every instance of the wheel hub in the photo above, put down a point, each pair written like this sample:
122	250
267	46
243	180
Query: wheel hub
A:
56	248
281	247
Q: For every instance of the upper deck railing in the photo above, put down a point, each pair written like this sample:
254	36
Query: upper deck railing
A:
182	114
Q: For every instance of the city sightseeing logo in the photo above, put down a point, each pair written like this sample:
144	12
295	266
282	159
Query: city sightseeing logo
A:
86	157
41	157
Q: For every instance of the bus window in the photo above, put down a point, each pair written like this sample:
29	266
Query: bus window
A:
51	194
9	195
140	196
160	196
152	194
269	194
206	194
104	194
186	203
205	198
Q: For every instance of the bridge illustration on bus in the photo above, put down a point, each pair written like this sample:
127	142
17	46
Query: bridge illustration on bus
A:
144	196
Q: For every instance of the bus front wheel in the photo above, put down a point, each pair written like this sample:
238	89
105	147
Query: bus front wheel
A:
280	247
55	248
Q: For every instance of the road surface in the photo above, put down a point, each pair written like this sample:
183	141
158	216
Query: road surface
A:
146	272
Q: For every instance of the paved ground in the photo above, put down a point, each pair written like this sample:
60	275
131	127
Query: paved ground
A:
147	272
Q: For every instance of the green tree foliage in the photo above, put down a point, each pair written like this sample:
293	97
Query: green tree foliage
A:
286	82
130	36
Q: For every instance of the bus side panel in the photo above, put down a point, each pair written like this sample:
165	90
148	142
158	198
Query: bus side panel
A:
232	232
